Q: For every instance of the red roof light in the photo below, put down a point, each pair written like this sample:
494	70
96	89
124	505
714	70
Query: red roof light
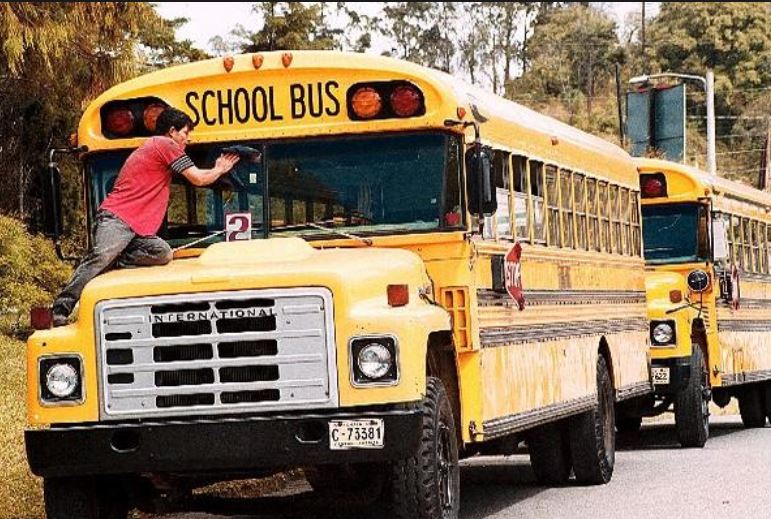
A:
119	122
405	101
653	186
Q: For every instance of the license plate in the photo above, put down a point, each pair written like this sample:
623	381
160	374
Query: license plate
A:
356	434
660	376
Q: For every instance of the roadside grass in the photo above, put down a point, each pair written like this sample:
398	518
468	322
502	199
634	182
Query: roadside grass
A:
21	494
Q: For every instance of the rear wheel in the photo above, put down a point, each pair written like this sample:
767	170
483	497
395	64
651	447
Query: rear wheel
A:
84	498
427	485
692	405
751	407
767	399
549	448
593	435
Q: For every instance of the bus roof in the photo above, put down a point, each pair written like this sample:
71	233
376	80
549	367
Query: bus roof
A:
706	185
503	122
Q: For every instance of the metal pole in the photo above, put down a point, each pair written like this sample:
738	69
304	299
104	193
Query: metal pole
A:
618	104
710	91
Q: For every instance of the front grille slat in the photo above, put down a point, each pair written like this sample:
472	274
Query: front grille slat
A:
223	352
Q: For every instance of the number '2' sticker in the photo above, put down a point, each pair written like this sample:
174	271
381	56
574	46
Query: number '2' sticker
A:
238	226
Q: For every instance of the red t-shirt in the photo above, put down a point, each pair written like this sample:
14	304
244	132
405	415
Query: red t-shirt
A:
140	196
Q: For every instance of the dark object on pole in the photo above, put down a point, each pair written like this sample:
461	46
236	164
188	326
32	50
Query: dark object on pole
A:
618	105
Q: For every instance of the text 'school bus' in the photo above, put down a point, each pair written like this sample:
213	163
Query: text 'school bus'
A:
341	305
715	235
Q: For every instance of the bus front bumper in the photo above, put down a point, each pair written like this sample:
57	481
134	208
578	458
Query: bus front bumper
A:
212	445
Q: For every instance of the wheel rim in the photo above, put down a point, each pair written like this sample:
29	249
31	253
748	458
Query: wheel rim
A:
704	400
446	468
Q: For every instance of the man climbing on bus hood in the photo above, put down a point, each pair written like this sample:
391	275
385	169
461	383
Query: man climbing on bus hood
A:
126	224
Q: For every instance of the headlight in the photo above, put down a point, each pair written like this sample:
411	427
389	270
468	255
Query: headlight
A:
663	333
62	380
698	280
374	360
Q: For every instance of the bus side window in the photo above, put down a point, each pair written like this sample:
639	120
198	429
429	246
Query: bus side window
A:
734	239
500	221
552	204
625	210
593	236
602	187
521	204
579	197
761	234
756	247
615	223
768	249
635	217
452	214
567	207
747	244
537	193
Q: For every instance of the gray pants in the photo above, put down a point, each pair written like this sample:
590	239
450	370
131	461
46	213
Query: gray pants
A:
114	243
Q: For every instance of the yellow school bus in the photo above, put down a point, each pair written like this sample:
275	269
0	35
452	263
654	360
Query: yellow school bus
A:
716	235
400	271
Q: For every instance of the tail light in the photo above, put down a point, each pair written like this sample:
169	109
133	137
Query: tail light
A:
367	100
366	103
131	118
405	101
41	318
653	185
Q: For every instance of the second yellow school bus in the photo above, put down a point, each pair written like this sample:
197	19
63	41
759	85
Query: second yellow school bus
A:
429	272
716	234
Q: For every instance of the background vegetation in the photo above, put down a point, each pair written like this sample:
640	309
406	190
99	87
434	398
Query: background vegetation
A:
556	57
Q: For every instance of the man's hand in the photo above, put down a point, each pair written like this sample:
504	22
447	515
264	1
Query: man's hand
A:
204	177
226	162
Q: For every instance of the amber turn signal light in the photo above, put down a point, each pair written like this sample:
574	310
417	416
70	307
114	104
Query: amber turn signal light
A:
366	103
398	295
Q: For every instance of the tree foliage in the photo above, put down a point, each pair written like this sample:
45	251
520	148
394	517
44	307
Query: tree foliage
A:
286	25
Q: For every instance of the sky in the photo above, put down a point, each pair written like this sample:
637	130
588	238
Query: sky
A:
209	19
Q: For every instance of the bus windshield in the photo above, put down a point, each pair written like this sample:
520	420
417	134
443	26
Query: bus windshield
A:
675	233
363	185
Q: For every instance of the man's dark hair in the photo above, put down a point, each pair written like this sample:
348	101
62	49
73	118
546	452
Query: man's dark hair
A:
172	118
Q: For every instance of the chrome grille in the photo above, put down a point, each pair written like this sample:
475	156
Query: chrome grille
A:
224	352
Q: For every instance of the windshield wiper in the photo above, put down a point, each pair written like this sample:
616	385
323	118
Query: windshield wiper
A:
365	241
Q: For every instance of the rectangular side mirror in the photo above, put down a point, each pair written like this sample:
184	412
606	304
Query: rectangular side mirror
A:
52	201
720	250
479	171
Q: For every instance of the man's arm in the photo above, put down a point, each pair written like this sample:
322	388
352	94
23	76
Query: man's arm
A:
204	177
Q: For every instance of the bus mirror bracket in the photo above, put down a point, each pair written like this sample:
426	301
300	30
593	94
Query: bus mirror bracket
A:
482	199
720	250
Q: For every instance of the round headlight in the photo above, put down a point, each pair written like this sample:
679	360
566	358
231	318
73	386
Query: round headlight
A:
61	380
662	333
698	280
374	360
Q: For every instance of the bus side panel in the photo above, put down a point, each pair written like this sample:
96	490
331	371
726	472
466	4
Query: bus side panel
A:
744	335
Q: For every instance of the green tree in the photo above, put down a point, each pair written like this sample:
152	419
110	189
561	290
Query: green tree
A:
54	59
286	25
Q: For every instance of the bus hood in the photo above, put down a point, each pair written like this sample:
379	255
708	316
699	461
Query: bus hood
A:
352	274
659	284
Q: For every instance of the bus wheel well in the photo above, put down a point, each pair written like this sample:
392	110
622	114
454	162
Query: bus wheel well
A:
440	363
604	350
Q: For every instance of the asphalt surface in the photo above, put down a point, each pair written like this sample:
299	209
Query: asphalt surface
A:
654	478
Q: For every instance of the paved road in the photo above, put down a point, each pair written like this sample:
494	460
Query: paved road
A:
654	478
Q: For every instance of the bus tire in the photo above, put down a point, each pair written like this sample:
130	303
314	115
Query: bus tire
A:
593	434
427	484
692	405
549	448
767	399
751	407
83	498
628	424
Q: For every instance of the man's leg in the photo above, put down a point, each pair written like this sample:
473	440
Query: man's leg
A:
111	236
145	251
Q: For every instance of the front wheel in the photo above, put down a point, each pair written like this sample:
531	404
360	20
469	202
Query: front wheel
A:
593	435
692	405
427	485
84	498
